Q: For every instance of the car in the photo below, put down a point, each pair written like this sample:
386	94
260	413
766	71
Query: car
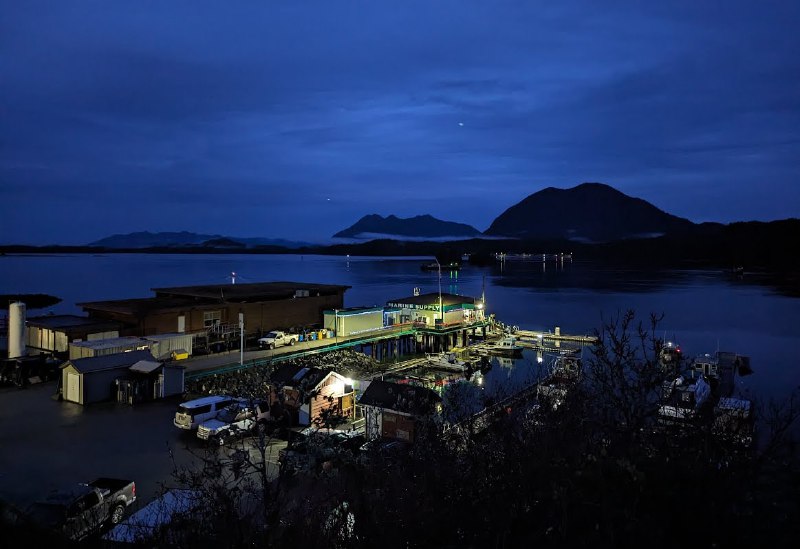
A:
192	413
236	420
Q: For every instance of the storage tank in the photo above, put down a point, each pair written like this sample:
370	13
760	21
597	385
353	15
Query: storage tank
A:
16	330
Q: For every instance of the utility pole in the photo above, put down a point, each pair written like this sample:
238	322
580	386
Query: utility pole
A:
241	339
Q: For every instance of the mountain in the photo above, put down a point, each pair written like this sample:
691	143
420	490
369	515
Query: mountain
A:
146	239
421	226
590	212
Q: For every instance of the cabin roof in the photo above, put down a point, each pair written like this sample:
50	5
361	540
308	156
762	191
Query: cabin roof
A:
108	362
292	375
410	399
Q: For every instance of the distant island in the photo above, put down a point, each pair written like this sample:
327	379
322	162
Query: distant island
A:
593	221
424	226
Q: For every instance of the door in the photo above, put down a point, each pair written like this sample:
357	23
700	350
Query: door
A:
73	387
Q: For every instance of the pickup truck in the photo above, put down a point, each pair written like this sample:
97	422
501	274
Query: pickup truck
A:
81	510
277	339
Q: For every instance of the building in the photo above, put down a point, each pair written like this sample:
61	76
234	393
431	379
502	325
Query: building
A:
354	321
93	379
392	410
128	377
435	309
304	395
441	321
52	334
215	309
101	347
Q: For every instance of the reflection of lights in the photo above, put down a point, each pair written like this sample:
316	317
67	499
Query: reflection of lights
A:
539	359
480	380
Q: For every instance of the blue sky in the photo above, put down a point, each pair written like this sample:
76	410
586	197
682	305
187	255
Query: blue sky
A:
294	119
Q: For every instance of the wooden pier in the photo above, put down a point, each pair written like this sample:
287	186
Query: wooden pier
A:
557	336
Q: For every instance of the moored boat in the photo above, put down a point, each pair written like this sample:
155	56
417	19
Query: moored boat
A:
507	346
446	361
452	266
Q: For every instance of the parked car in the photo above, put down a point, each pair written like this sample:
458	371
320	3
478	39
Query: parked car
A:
80	510
192	413
236	420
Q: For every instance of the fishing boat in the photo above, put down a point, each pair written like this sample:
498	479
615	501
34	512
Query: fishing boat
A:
507	346
565	372
684	398
452	266
446	361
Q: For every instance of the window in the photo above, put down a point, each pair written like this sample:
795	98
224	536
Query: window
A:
211	318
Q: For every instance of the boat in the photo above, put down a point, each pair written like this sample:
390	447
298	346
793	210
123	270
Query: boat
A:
669	358
446	361
507	346
684	398
452	266
721	369
565	372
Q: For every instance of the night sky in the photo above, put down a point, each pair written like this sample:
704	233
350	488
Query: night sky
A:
294	118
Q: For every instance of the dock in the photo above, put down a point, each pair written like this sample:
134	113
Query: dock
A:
391	343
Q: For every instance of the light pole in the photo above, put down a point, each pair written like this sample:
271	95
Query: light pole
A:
336	325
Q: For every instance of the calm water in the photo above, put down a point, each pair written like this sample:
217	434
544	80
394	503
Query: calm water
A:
704	310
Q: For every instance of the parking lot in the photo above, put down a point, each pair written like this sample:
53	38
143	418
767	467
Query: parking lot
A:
46	444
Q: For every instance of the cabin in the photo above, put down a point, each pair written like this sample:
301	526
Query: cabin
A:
302	395
127	377
93	379
392	410
216	308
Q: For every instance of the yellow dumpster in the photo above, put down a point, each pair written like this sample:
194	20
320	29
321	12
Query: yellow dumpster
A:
179	354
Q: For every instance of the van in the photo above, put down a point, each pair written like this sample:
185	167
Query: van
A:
192	413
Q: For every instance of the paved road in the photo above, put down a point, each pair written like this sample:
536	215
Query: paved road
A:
46	444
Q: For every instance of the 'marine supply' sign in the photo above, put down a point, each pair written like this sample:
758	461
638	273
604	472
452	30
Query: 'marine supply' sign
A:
417	306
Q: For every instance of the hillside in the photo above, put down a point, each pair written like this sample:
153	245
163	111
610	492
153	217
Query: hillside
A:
421	226
590	212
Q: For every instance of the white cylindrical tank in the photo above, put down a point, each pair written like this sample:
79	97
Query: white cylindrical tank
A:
16	330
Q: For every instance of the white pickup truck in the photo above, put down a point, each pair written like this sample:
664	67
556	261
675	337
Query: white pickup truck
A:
236	420
277	339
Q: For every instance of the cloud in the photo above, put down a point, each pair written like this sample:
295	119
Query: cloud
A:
222	116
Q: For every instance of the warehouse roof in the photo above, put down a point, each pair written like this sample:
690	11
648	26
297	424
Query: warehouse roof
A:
108	362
